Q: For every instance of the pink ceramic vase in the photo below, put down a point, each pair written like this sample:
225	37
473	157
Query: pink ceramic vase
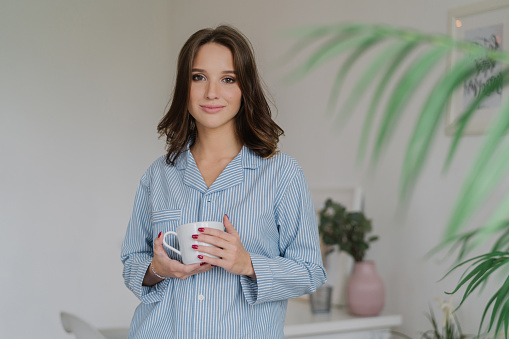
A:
365	291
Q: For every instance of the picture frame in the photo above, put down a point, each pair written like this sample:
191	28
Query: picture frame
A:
485	22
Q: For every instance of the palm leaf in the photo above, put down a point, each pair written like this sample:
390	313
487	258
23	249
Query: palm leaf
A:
310	35
495	223
483	266
484	174
465	242
343	71
405	50
331	48
402	93
428	122
364	81
502	244
358	37
469	112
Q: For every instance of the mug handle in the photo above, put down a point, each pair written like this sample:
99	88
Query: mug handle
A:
167	245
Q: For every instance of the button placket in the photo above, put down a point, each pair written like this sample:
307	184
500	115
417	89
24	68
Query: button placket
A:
207	207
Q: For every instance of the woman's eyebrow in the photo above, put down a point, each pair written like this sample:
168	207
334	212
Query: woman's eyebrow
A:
203	71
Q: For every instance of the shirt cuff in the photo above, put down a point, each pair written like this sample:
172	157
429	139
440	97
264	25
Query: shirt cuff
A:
147	294
257	290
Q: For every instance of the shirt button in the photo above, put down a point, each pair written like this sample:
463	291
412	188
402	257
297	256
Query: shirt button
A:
201	297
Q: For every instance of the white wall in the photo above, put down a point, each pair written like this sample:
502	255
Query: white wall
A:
83	86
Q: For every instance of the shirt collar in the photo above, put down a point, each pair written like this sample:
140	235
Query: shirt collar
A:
248	159
231	176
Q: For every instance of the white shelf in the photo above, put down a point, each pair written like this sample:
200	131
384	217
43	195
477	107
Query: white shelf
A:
301	322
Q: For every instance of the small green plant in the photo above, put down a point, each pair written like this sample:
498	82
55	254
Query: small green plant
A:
448	328
346	229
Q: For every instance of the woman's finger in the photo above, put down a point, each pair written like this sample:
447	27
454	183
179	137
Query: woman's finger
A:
213	240
158	244
228	226
215	233
212	250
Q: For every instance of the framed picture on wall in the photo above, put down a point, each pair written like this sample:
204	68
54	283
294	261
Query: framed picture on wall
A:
485	23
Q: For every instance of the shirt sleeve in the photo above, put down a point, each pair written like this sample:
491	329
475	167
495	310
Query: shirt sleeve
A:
137	248
299	268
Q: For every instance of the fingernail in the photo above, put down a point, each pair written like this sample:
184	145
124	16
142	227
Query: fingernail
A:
195	236
203	263
159	234
200	256
201	229
227	217
195	247
213	265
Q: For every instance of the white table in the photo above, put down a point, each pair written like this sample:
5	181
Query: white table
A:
338	324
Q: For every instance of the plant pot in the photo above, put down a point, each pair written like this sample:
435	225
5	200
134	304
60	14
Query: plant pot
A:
365	291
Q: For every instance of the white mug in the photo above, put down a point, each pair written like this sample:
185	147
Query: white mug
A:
184	234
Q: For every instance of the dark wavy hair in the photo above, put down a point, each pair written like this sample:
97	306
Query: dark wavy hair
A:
254	125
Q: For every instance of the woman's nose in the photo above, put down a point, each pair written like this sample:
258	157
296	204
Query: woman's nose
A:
211	92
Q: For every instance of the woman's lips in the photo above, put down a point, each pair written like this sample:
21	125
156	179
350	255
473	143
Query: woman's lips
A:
211	108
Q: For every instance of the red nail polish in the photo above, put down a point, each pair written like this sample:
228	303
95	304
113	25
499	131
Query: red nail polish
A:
195	247
213	265
200	256
227	217
203	263
159	234
201	229
195	236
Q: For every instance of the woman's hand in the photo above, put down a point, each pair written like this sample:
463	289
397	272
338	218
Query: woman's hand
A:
169	268
233	257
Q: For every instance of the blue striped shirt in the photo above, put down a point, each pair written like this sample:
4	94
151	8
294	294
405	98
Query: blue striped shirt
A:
269	204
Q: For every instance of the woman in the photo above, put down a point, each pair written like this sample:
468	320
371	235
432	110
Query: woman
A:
221	164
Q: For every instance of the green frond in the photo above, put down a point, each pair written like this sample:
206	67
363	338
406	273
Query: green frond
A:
360	87
502	244
463	263
319	31
469	112
312	34
496	222
461	242
401	54
403	92
485	173
346	67
500	306
428	122
480	271
466	242
333	47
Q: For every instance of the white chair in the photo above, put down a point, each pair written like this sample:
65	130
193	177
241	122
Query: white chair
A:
83	330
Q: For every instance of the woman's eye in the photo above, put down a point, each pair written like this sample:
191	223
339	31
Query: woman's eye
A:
198	77
229	80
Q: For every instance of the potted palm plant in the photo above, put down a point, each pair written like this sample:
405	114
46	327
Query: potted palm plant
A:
365	292
425	52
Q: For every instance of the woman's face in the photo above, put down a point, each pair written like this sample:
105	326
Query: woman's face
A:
215	96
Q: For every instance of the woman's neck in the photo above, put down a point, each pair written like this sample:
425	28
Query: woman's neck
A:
216	145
